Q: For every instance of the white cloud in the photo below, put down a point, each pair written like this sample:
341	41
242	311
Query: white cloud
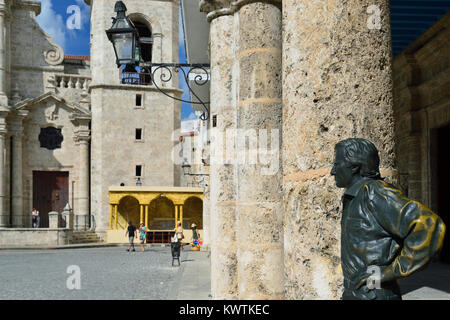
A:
52	23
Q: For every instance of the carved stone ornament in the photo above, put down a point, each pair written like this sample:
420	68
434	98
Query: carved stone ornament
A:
51	138
54	56
51	113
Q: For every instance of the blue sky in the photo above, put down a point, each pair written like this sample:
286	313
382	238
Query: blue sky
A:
55	19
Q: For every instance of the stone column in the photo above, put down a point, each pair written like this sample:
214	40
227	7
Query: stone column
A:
3	60
337	84
259	209
4	215
222	178
206	216
111	216
82	211
146	216
246	212
19	219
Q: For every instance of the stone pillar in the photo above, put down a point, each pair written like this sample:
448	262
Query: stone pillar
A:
111	216
337	84
246	211
222	184
68	217
53	219
4	215
206	215
20	219
116	217
259	209
82	211
146	216
3	56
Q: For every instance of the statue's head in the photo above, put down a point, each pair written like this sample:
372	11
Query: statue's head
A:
355	158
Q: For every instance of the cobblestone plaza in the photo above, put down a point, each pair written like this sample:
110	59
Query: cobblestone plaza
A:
106	273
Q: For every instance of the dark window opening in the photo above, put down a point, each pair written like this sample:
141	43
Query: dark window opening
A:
139	100
138	134
145	44
51	138
138	171
145	41
214	121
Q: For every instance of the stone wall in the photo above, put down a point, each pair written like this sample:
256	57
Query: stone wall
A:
115	152
30	237
421	104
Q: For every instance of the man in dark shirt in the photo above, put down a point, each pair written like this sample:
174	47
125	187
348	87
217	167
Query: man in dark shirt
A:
381	229
131	232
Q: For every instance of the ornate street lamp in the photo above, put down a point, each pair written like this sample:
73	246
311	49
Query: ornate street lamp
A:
123	36
125	39
198	177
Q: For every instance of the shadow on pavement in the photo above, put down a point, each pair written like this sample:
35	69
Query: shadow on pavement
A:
435	275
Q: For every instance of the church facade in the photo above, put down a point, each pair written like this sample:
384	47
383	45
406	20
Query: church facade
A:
74	126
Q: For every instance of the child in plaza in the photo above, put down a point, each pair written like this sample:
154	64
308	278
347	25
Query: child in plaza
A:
142	235
131	232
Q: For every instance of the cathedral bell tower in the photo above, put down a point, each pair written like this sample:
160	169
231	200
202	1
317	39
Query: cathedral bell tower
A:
133	124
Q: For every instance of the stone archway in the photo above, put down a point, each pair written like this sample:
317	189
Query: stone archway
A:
128	211
193	213
161	214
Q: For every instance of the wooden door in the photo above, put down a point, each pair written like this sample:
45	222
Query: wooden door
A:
50	193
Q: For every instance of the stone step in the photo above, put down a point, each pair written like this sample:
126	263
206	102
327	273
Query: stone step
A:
89	236
85	237
86	241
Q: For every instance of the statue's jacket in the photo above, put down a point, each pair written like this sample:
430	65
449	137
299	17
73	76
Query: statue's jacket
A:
382	227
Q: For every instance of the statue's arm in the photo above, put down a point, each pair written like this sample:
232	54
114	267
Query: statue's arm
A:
416	228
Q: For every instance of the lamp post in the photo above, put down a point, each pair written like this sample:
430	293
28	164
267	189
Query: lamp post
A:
125	40
187	172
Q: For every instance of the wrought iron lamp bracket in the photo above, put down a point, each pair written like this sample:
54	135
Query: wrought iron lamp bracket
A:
165	75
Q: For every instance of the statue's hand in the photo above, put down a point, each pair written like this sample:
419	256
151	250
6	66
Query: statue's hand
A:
385	274
362	280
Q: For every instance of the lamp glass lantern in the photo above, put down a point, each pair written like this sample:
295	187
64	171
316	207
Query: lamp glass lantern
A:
124	36
186	167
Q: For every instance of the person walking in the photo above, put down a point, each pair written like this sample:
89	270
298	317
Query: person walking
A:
195	235
142	235
35	218
131	233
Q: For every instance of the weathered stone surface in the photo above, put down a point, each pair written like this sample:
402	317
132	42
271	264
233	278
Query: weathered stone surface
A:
222	177
259	208
337	83
29	237
421	104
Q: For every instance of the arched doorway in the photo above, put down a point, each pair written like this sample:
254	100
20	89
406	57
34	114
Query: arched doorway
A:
193	213
128	211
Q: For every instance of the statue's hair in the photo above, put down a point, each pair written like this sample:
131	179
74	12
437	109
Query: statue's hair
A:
361	152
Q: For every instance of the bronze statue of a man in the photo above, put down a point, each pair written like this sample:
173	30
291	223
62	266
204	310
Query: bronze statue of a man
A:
384	234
